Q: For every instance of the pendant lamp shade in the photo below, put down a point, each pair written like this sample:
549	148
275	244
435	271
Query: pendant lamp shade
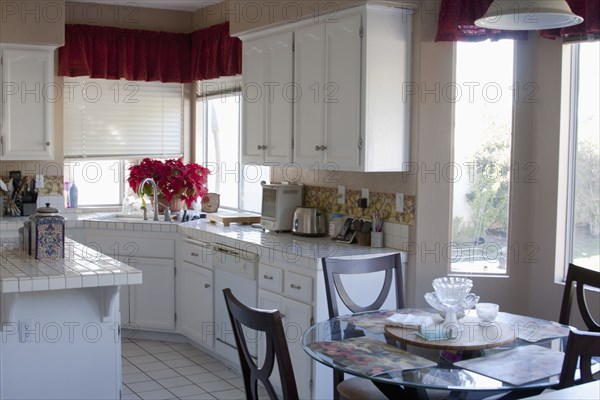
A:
528	15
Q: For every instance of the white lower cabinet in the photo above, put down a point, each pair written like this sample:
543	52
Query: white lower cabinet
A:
195	318
152	304
297	319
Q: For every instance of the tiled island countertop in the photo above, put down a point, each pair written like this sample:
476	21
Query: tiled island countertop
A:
82	267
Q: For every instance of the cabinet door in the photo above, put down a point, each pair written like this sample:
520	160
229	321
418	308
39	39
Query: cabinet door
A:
278	95
343	92
152	304
309	112
253	110
296	320
195	296
27	123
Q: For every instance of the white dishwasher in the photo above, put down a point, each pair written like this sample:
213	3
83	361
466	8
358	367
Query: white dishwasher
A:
237	270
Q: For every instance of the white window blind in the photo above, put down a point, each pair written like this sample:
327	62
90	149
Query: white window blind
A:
119	118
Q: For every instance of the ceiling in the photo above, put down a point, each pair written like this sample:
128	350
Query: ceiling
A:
182	5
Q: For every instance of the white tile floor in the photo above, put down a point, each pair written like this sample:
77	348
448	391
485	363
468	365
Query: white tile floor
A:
155	370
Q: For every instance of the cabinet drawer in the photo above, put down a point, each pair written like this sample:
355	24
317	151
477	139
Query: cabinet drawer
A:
197	253
270	278
298	287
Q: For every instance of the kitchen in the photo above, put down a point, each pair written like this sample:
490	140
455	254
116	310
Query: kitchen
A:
537	140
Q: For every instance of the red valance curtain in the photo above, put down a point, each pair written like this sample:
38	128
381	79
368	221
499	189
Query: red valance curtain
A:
114	53
215	53
456	23
589	28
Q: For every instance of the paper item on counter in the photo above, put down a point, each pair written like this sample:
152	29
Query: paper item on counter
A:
518	366
409	320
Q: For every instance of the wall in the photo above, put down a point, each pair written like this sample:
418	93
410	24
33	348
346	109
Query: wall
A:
129	16
530	286
32	22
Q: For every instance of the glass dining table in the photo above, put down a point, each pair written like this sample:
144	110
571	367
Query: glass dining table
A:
516	354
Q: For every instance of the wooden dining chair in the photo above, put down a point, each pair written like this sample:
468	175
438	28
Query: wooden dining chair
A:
579	276
333	269
581	346
269	323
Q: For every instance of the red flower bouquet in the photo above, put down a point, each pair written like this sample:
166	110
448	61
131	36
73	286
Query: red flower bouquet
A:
173	178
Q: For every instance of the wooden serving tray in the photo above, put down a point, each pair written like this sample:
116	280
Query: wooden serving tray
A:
473	337
240	218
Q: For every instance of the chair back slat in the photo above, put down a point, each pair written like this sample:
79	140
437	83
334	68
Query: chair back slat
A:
581	346
581	277
334	268
268	322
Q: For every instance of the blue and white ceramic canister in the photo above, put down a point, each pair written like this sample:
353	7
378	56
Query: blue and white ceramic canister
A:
47	233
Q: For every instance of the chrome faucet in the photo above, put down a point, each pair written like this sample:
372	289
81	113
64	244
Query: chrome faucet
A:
155	191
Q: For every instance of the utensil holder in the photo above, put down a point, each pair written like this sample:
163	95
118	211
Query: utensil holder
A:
376	239
363	238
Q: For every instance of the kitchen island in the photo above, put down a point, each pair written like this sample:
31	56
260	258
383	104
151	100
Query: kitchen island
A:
61	335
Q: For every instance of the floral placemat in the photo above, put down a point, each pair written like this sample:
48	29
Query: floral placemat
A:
533	329
518	366
369	356
375	322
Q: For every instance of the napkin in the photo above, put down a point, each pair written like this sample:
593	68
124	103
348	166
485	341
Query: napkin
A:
408	320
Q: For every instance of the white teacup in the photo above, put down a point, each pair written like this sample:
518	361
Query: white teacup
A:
486	312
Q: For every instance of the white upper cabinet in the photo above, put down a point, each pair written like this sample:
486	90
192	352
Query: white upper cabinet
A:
28	96
341	94
350	75
309	133
267	71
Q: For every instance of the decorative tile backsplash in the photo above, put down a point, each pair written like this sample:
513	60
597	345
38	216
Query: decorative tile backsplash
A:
385	203
53	186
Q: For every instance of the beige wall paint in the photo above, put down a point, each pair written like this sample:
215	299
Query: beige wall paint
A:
247	16
32	22
210	15
129	16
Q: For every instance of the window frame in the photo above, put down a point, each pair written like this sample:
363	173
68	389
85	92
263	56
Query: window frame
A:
228	86
514	101
569	139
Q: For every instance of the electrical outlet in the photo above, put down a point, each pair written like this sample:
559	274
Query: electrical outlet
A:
365	195
341	195
26	331
399	202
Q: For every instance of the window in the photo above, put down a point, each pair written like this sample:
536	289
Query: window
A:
98	182
218	144
483	122
582	161
107	123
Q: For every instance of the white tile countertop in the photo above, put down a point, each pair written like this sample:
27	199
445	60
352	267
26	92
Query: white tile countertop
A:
82	267
245	237
253	239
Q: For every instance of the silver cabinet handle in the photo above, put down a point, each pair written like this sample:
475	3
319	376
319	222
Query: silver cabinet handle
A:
267	277
323	148
295	286
195	254
47	143
259	147
207	285
317	148
282	315
263	147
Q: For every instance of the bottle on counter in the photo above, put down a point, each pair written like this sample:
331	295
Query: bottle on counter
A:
73	194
